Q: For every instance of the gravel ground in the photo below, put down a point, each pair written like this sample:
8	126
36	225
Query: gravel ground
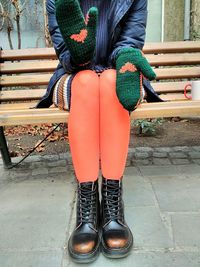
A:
170	133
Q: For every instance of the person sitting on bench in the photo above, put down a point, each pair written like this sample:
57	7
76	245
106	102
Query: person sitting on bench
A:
99	80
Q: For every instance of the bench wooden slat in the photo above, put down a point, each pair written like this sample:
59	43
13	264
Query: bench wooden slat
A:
169	87
172	47
28	67
174	59
171	109
50	65
17	95
173	97
33	94
37	95
25	80
21	106
178	103
33	116
43	79
27	54
54	115
178	73
149	48
17	106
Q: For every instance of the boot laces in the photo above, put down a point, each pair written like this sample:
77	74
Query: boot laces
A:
87	203
112	195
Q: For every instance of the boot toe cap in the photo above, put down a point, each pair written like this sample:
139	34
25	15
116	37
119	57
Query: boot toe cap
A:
84	247
83	243
116	243
116	239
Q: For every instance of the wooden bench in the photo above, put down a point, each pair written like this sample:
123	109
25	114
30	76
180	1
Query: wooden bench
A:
25	75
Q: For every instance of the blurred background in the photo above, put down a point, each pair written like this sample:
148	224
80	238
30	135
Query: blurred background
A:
23	23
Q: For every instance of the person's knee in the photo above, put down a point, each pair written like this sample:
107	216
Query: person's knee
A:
108	83
85	86
109	77
86	78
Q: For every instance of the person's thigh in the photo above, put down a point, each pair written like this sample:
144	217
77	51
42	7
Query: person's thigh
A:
114	128
83	125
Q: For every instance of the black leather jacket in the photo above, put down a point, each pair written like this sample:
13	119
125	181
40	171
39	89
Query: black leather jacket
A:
127	28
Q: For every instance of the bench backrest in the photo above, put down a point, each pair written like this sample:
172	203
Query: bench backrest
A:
28	70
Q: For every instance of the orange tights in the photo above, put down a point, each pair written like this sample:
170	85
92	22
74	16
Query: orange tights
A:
98	126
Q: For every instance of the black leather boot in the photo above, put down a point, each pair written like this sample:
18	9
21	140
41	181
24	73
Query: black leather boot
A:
83	245
117	239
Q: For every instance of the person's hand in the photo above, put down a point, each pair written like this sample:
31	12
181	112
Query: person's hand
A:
131	66
78	33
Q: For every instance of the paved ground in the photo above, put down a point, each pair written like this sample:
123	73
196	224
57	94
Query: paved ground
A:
162	208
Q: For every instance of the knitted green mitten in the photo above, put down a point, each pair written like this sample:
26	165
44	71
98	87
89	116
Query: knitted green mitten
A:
131	65
78	33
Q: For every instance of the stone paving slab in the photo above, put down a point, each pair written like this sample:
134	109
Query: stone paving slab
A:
148	228
31	258
186	229
148	259
193	170
159	171
177	193
34	213
132	171
137	192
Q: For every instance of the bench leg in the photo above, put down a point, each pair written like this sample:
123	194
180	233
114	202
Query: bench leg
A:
4	149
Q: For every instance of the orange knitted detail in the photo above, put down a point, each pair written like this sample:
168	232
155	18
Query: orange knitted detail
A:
128	67
80	37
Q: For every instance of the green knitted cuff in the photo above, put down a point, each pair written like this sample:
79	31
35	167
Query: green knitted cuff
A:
129	51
